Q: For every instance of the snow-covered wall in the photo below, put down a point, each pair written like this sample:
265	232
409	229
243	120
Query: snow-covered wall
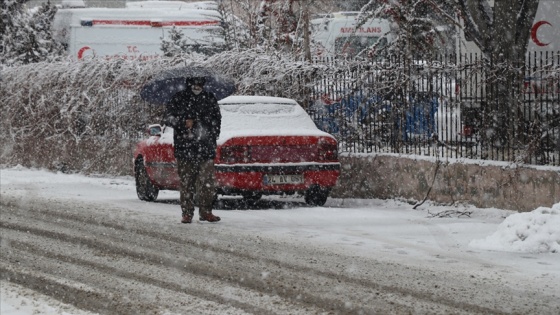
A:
485	184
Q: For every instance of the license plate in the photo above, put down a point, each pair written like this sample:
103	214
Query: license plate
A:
283	179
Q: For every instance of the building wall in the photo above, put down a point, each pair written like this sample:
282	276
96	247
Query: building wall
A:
485	185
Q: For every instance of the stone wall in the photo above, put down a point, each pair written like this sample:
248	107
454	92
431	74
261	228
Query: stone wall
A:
486	185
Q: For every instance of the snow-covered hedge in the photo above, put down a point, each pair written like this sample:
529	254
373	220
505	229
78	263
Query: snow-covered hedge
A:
66	114
86	116
277	74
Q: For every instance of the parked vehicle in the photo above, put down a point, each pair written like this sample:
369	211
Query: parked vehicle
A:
136	32
425	109
542	53
337	34
378	119
267	145
544	36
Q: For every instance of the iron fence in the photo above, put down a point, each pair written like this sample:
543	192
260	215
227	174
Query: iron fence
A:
457	107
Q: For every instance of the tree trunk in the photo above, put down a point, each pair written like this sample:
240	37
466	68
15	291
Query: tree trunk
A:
306	31
505	46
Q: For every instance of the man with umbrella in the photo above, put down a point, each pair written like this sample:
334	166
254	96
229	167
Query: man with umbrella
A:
195	117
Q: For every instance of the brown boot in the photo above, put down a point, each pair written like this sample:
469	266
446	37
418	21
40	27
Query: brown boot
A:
209	217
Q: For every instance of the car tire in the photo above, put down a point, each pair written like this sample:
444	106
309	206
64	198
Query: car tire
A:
316	195
145	190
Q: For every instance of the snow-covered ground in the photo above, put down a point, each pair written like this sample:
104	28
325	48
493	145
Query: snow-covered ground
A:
486	242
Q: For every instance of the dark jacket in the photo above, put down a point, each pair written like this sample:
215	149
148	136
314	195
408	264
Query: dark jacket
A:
200	143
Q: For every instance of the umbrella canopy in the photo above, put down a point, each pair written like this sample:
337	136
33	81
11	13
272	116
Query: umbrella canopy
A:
161	89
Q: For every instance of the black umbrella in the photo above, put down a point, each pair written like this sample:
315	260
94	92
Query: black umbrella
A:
164	85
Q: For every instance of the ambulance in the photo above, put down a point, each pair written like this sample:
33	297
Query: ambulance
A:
136	31
542	51
541	88
338	34
544	33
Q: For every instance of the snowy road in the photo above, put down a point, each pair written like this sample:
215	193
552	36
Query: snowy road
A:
90	243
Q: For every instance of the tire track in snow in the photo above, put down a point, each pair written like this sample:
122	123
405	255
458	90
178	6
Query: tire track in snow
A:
252	275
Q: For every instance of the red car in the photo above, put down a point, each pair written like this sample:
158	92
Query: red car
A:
267	145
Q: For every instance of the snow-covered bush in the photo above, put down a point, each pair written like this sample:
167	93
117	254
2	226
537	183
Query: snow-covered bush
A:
261	73
87	116
73	114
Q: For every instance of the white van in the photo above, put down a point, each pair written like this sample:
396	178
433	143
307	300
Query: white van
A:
336	34
136	32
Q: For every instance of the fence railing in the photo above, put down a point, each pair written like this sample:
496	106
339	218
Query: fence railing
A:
459	107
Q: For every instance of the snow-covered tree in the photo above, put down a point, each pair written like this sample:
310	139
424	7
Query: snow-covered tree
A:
10	13
502	31
42	20
263	25
352	5
416	33
27	36
231	29
174	44
272	24
502	34
234	31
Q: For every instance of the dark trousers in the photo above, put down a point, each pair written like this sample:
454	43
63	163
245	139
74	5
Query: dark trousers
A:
197	177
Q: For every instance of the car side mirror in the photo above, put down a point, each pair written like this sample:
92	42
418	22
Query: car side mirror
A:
154	130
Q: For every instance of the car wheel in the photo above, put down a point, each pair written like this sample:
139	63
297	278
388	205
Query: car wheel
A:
316	196
252	196
144	188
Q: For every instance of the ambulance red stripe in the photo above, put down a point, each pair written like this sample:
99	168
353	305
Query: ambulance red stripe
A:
150	23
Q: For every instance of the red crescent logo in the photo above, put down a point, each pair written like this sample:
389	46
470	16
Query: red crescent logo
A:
82	51
535	30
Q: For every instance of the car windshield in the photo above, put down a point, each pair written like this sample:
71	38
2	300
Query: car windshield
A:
265	117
